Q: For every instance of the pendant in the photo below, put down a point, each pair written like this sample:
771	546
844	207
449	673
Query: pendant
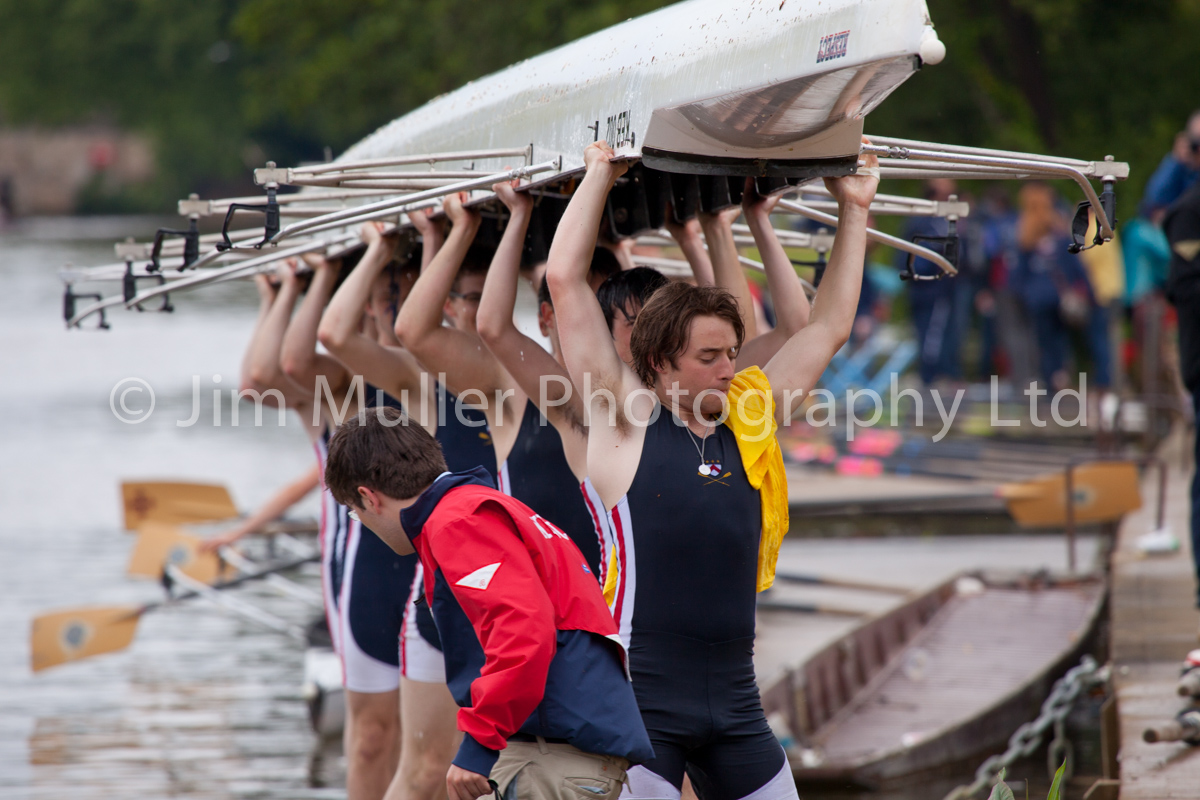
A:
704	470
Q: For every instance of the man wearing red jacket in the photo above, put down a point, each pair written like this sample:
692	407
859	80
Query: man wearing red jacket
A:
532	653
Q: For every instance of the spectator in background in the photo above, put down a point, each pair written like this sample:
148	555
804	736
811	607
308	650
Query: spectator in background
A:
1052	284
1106	273
1182	227
1015	353
932	303
881	283
1178	171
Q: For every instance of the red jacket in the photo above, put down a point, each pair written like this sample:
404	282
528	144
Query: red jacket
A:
522	620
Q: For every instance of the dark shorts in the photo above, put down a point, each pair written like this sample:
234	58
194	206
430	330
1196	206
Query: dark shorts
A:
700	705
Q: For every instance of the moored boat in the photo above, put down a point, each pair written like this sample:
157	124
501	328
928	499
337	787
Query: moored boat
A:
941	680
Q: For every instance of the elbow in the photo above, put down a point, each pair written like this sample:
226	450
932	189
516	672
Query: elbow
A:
405	330
331	337
490	328
292	367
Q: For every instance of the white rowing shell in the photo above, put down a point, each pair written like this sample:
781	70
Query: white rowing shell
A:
701	86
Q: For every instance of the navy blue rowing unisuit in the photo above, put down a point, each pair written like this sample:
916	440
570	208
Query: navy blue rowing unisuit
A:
536	472
686	541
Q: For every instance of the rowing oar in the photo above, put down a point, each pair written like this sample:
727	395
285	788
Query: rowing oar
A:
824	580
159	545
1103	491
179	503
74	634
174	503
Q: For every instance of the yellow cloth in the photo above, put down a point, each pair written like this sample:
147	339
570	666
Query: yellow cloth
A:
610	578
1105	267
752	420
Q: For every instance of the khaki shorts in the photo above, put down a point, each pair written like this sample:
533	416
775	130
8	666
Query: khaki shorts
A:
552	771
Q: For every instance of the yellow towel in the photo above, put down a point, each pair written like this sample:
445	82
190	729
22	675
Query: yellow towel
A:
752	419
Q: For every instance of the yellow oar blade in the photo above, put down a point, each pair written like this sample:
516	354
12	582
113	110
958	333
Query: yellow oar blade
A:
160	544
1104	492
174	503
63	636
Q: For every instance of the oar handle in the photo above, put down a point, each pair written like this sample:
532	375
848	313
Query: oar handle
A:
239	607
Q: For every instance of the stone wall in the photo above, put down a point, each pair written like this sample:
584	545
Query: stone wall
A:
42	170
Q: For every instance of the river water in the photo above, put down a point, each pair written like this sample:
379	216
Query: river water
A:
202	704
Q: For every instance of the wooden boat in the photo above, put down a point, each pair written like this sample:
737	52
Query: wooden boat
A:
942	680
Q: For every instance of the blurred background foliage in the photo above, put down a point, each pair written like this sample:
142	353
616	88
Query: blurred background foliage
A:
221	86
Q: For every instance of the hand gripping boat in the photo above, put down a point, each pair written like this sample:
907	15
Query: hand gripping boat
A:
702	93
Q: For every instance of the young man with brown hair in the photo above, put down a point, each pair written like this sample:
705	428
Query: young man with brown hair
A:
693	543
532	653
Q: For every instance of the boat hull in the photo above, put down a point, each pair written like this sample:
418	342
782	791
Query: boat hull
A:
704	86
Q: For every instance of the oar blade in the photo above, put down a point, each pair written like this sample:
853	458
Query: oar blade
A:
1104	492
174	503
74	634
159	545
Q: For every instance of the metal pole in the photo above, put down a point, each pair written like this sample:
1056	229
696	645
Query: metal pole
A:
875	236
1070	486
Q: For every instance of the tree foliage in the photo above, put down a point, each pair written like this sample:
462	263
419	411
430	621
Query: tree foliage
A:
223	84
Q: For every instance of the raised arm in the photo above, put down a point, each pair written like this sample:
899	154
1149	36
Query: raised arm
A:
727	270
267	292
299	358
787	292
432	235
691	243
582	332
540	377
390	368
261	370
458	354
802	359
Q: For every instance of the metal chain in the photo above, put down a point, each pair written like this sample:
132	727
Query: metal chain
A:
1027	738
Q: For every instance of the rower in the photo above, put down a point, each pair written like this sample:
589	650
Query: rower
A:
380	286
695	542
532	464
365	584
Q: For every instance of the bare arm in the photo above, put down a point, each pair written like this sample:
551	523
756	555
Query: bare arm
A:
540	377
691	243
432	235
802	359
261	366
299	357
458	354
787	292
271	510
727	271
582	332
266	299
390	368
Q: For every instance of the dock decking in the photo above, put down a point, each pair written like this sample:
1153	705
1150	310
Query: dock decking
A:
1154	625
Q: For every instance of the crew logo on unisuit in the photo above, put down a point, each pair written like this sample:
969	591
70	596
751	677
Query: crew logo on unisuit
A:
833	46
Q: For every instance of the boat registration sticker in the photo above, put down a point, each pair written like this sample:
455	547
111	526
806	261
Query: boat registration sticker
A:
833	46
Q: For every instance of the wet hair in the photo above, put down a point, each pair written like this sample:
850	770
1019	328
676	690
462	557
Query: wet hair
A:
476	262
627	288
379	449
664	325
604	265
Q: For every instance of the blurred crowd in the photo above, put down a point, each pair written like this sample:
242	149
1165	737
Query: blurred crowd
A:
1024	307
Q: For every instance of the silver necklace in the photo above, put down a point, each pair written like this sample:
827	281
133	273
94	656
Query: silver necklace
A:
700	448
